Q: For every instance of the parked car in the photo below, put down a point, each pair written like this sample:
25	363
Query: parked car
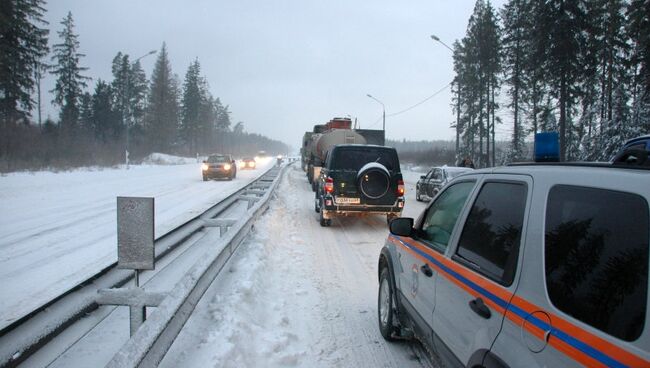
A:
430	184
359	179
247	164
537	265
219	166
634	152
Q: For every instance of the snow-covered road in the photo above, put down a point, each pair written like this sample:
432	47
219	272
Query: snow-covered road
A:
58	229
297	294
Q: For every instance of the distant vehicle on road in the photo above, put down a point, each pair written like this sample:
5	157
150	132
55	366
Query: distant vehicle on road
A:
247	164
430	184
219	166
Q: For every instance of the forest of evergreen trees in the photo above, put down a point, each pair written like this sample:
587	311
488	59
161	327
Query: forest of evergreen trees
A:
161	114
578	67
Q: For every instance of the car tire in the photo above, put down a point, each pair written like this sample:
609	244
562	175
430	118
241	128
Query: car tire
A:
385	306
389	218
316	206
323	221
418	197
205	178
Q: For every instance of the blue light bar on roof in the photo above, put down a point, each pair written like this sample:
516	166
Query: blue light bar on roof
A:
547	147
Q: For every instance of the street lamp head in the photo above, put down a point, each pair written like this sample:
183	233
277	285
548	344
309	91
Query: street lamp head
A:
435	38
152	52
368	94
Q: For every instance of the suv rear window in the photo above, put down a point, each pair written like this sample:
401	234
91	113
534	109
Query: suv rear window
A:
596	257
354	158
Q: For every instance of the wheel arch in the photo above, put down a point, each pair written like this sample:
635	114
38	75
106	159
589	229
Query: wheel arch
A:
484	358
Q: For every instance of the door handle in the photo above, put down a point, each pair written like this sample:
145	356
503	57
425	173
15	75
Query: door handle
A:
426	270
480	308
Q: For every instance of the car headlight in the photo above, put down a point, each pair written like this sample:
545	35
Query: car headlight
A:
205	167
226	167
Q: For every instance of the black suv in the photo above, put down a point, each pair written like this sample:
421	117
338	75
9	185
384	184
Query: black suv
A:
359	179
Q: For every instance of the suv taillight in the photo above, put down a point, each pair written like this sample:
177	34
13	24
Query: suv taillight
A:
329	185
400	188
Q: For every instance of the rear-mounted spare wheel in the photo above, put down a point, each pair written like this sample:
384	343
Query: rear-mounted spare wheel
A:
374	180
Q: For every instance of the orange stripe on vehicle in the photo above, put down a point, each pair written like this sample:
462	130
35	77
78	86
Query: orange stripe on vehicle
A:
595	345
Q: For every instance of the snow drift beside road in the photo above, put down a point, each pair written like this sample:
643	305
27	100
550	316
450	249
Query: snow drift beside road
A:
57	229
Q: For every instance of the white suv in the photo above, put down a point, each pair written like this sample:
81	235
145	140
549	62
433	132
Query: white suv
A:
525	266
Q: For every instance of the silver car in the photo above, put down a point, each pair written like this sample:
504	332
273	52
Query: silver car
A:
430	184
525	266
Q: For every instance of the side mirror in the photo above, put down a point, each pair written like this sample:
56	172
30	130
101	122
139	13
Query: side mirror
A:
422	176
401	226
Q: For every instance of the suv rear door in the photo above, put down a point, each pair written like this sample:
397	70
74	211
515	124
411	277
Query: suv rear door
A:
583	294
476	283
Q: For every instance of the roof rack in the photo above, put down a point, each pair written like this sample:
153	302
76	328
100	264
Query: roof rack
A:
602	165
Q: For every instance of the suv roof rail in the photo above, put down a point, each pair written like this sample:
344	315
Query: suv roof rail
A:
602	165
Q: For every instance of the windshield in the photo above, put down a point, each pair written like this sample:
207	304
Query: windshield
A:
215	159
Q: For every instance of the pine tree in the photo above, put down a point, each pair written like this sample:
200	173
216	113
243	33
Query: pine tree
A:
191	106
163	105
565	20
106	122
638	31
70	82
120	86
23	44
515	17
477	64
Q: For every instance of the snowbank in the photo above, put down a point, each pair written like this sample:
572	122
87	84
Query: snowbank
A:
165	159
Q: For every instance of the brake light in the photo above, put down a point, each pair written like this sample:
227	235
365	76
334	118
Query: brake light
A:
329	185
400	188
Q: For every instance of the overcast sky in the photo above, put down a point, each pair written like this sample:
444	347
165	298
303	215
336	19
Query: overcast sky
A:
283	66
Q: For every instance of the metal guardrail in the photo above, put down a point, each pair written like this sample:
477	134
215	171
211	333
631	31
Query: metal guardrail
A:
153	339
25	336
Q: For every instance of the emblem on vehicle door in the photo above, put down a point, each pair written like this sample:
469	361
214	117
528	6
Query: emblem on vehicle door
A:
414	281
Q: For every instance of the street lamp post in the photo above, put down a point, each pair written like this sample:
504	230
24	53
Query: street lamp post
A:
127	97
437	39
383	107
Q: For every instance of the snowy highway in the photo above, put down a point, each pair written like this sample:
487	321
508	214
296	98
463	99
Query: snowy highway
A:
294	294
297	294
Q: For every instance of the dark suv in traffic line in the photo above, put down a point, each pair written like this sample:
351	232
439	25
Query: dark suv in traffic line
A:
219	166
525	266
359	179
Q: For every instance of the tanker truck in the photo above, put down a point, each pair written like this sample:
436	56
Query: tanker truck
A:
323	137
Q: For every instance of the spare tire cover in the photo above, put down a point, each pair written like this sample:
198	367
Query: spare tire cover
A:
374	180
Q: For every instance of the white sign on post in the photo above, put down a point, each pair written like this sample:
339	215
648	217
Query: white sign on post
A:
135	233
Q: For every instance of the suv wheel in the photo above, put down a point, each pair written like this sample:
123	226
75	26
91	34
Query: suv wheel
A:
390	217
316	206
385	307
323	221
205	178
418	197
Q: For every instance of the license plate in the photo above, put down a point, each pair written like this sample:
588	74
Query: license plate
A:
347	200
